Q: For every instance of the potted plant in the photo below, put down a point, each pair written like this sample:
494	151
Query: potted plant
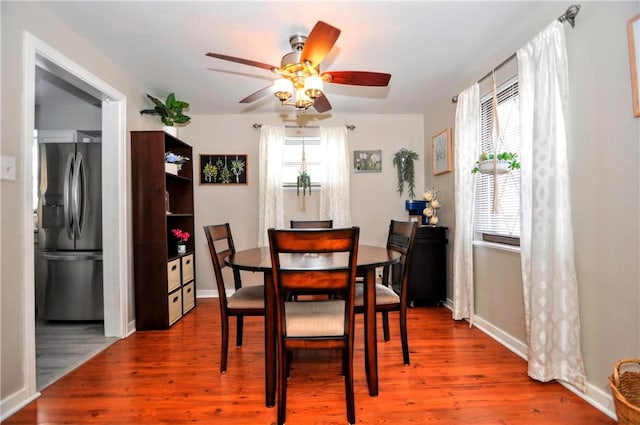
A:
403	161
182	237
173	163
170	112
303	183
504	163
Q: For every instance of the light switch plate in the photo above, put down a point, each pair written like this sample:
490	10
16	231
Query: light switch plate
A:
8	171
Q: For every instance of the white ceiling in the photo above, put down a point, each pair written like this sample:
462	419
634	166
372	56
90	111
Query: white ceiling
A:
432	49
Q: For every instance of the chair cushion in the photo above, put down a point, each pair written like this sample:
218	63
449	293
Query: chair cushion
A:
247	297
384	295
314	318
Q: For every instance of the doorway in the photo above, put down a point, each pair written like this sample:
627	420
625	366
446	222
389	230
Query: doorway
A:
115	247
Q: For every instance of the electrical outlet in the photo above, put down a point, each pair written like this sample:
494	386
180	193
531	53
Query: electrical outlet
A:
8	168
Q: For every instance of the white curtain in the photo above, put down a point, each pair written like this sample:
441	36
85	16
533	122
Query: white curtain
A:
467	134
335	193
270	203
552	314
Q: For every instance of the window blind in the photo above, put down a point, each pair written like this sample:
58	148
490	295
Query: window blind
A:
292	159
507	221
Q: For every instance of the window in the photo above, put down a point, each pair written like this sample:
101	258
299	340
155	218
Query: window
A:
504	226
293	160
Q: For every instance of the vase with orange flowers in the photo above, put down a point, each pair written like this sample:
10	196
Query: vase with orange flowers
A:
182	237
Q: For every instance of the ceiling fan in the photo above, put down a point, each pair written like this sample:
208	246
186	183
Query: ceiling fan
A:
301	83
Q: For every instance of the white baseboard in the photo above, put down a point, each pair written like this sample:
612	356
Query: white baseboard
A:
599	399
208	293
16	401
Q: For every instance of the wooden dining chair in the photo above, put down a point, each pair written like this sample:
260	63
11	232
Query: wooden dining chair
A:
314	261
245	301
401	238
311	224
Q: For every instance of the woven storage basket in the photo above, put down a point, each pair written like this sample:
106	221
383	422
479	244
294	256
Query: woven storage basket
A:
625	387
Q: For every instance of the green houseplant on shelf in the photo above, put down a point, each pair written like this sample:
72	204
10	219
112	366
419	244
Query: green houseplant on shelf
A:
170	112
403	161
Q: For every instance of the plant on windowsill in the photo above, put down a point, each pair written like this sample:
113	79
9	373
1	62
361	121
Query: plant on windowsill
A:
504	163
170	112
403	161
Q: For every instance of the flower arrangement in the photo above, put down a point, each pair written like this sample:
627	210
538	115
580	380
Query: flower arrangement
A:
175	160
431	211
182	237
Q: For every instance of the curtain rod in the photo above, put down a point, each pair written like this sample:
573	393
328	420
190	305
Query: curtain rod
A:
349	126
568	16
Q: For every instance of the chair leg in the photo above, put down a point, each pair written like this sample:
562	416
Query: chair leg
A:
347	359
224	348
239	323
403	336
282	384
385	326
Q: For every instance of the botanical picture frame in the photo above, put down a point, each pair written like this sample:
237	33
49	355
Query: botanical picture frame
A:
223	168
441	152
367	161
633	35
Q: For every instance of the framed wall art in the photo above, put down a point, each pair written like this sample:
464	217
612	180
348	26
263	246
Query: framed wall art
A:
441	152
367	161
633	34
223	169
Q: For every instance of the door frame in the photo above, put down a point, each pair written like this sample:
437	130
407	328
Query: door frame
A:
114	190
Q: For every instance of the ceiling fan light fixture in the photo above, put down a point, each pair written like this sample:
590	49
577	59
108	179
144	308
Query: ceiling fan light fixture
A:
313	87
300	82
302	102
283	89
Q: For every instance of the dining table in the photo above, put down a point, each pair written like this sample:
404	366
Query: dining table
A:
369	259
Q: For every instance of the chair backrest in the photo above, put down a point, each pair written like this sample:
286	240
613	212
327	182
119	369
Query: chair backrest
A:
314	261
221	245
401	238
311	224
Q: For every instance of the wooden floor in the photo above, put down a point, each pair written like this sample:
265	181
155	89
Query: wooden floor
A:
63	346
457	375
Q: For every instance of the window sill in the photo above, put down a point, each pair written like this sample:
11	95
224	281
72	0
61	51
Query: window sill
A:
497	246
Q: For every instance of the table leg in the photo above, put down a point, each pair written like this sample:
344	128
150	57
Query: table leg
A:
270	366
370	338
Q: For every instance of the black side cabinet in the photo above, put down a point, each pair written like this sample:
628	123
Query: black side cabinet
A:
428	271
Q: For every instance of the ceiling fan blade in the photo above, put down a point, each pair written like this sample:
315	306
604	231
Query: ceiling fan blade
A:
322	104
259	94
320	41
242	61
359	78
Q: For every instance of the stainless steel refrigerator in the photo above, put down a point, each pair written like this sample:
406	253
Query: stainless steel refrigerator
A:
69	241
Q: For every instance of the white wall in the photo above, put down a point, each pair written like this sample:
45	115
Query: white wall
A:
18	17
374	198
66	117
604	155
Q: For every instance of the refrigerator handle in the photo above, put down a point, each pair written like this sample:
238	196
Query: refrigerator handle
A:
66	202
79	190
